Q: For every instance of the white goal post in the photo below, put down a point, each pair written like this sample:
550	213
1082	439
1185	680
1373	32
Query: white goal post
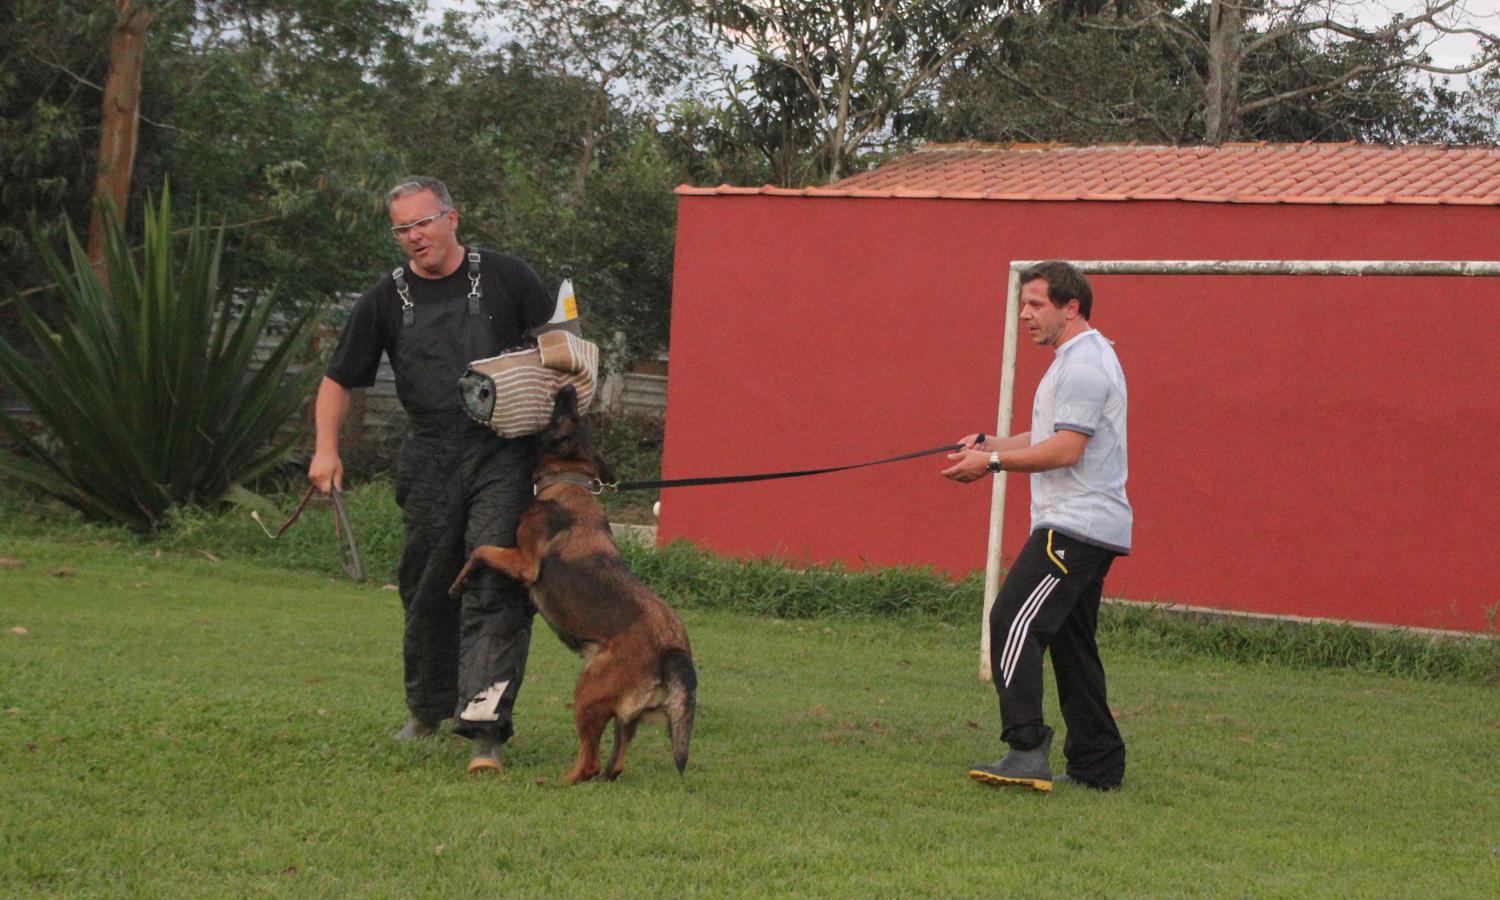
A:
1159	267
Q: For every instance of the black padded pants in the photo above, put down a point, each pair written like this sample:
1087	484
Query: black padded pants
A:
461	485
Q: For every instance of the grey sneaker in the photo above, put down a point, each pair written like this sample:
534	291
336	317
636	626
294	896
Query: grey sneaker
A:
416	727
1019	768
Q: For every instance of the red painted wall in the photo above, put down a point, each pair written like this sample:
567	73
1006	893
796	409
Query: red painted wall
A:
1305	446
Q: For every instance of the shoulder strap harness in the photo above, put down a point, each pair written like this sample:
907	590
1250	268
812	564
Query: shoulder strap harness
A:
408	315
474	293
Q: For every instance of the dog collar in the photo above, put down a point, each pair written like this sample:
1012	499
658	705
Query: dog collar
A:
593	485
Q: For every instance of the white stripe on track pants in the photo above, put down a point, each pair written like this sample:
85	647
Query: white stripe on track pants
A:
1050	602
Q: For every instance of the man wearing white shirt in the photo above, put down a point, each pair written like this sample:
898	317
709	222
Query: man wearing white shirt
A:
1080	521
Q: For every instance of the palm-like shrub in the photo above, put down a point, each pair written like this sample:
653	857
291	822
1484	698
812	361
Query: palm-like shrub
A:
147	383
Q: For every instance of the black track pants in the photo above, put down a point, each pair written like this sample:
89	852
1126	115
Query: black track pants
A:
1050	601
459	486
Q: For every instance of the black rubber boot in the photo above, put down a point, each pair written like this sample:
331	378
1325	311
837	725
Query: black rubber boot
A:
415	728
1020	768
486	755
1066	779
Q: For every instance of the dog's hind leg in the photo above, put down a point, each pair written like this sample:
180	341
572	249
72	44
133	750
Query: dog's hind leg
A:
624	734
593	707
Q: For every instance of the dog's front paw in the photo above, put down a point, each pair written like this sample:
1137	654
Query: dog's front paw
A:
457	589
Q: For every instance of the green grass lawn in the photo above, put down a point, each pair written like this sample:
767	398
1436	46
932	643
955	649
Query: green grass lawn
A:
172	725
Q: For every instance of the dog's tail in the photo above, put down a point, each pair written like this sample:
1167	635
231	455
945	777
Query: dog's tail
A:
682	698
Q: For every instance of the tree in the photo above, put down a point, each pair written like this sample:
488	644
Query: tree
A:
268	111
1050	79
120	123
291	118
275	113
623	248
713	144
1088	80
626	56
52	68
834	74
1119	76
1216	57
1478	110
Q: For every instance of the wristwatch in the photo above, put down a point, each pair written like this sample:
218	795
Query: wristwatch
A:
994	464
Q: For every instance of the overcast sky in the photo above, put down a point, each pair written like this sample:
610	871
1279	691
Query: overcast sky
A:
1453	50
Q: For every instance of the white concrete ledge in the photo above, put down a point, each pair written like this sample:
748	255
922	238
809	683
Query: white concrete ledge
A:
1211	614
635	534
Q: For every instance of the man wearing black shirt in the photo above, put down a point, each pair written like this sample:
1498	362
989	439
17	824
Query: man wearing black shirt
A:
458	483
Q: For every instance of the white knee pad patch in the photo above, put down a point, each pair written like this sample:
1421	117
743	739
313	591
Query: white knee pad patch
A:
486	704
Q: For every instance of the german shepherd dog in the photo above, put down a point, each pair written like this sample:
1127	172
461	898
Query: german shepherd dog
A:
636	658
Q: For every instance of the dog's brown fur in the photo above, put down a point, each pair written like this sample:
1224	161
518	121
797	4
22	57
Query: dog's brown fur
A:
637	660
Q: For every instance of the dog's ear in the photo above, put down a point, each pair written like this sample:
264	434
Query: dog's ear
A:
606	474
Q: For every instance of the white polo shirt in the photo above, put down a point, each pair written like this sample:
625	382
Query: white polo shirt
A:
1084	391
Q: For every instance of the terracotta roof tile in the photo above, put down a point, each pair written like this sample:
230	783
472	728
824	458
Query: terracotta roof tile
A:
1234	173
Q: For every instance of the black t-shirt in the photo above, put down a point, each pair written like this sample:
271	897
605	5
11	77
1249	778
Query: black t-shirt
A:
514	301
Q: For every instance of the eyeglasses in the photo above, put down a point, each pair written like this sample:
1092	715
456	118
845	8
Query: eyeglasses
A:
401	230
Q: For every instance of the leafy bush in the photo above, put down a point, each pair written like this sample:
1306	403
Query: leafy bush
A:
632	445
144	381
310	543
1303	645
689	577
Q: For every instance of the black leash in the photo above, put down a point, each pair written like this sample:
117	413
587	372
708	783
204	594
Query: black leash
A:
343	529
767	476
